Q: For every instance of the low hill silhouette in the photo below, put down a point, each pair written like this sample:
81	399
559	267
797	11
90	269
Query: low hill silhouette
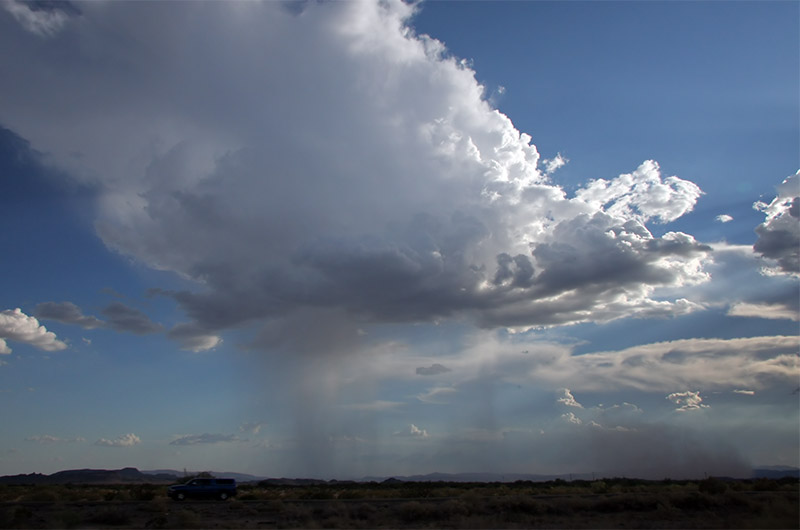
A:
126	475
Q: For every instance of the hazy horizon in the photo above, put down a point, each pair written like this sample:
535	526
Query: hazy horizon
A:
349	239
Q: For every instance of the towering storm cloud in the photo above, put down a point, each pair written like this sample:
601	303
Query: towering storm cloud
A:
321	211
331	158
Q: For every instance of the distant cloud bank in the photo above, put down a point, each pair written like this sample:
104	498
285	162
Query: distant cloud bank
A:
125	440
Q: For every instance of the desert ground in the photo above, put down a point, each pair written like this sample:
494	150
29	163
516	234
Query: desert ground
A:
609	503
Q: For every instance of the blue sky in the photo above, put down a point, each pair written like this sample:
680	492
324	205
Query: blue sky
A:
351	239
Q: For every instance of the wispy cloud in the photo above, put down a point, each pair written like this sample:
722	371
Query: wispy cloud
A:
125	440
121	317
434	369
205	438
377	405
711	363
194	338
764	310
42	18
435	395
68	313
252	427
49	439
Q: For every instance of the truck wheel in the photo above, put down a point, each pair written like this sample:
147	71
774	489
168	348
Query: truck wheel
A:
223	496
181	496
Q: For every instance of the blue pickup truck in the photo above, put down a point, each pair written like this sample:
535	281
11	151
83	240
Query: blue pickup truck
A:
204	488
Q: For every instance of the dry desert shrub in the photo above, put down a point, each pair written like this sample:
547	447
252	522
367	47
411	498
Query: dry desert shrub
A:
187	519
68	519
416	512
157	505
712	485
364	512
41	494
297	516
16	517
110	517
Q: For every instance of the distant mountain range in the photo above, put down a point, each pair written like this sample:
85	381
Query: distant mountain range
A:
131	475
776	472
240	477
127	475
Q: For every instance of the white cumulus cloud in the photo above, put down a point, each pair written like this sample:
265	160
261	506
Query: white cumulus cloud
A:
412	431
779	234
17	326
570	417
396	194
568	399
687	401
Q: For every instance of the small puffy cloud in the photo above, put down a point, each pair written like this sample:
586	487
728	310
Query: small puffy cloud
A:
568	399
687	401
42	17
723	218
643	195
745	392
205	438
193	338
123	318
434	369
68	313
412	431
618	416
252	427
125	440
571	418
49	439
17	326
552	164
779	234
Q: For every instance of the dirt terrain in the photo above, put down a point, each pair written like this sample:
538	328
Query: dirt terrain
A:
769	504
